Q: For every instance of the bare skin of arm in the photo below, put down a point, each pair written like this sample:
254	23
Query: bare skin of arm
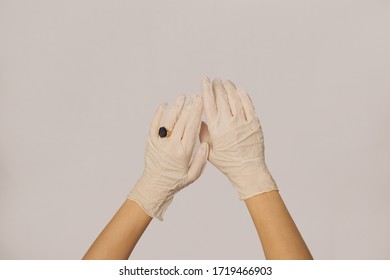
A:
277	231
119	237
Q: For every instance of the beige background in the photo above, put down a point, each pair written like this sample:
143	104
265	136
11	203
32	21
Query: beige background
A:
80	80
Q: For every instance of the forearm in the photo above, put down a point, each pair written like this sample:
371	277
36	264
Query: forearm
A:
122	233
277	231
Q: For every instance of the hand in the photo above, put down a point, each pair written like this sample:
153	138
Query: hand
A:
167	160
235	138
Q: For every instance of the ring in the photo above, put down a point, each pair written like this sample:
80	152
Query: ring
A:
163	132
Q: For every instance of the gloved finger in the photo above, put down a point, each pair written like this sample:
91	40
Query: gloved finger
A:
210	107
221	98
198	163
177	132
234	100
247	104
156	122
174	113
191	129
204	135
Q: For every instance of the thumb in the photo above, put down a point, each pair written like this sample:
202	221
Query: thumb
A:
204	135
198	163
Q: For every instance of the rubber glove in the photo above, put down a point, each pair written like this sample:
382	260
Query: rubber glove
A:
167	160
235	137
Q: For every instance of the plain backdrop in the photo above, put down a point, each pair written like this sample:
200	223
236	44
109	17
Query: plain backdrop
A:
80	80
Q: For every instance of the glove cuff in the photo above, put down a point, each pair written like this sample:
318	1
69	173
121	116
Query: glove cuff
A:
249	185
153	206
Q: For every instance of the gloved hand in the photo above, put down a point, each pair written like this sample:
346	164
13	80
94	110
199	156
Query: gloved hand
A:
167	160
235	138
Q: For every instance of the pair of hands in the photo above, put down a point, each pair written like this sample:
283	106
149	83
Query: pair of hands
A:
232	141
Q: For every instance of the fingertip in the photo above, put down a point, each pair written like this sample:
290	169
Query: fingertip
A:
164	105
179	103
192	99
245	93
230	83
209	100
247	104
215	83
241	92
181	98
240	89
230	88
199	101
206	89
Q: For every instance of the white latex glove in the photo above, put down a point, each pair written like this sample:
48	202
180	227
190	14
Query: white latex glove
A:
167	160
235	138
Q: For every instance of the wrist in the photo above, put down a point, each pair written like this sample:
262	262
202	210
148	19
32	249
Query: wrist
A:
153	197
253	182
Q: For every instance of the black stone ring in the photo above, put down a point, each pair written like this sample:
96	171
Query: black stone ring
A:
163	132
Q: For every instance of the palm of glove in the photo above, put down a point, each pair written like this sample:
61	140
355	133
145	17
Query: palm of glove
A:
240	145
166	167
